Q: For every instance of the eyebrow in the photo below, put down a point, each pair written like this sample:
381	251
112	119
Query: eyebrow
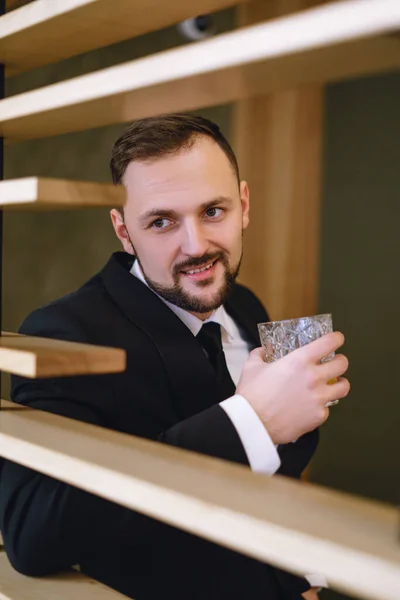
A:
172	214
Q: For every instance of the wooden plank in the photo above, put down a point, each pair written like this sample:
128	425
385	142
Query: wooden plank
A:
282	242
42	357
42	194
48	31
322	44
13	4
299	527
67	585
5	405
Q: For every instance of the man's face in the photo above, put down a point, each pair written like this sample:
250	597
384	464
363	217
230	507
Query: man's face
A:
185	215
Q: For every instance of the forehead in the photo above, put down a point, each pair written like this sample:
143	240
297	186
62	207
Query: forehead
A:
195	174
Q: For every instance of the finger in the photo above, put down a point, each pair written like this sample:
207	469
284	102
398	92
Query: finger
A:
333	368
336	391
323	346
324	415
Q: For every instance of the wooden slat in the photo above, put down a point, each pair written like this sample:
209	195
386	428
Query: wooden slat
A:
5	405
42	357
319	45
13	4
47	31
297	526
282	243
43	194
64	586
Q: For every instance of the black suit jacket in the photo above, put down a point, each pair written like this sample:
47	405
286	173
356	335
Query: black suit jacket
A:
167	393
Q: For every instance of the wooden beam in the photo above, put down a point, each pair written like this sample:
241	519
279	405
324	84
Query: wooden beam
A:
282	243
297	526
42	357
13	4
43	194
278	140
48	31
5	405
322	44
64	586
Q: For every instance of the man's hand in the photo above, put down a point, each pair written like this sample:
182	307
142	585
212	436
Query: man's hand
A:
290	395
311	594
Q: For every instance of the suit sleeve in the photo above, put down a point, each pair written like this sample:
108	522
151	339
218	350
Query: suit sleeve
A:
48	525
210	432
296	456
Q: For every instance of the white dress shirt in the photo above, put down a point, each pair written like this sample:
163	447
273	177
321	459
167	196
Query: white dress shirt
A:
260	449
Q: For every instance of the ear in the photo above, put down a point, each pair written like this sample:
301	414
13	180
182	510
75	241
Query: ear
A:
121	230
245	200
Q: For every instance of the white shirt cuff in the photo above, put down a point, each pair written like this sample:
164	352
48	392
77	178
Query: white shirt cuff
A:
260	449
317	580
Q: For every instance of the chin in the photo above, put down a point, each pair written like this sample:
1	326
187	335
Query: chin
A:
209	302
204	292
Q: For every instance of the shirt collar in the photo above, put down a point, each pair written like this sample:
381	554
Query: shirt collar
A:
193	323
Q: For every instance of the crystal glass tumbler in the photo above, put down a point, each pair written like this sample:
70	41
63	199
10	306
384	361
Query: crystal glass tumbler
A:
278	338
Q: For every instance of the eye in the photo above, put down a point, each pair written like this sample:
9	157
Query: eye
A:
214	212
160	223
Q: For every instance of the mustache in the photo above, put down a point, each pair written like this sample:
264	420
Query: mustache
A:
195	262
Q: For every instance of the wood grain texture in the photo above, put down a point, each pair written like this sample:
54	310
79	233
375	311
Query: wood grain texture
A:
13	4
321	44
64	586
278	140
5	405
297	526
42	357
36	193
47	31
282	242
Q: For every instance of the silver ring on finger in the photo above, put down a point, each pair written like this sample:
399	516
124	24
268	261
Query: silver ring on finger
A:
332	403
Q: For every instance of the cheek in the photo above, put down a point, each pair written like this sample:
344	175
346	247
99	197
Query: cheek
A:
156	256
230	236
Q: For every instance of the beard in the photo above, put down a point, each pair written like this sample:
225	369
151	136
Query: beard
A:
176	295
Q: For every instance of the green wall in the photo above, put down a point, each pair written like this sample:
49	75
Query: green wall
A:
48	254
360	284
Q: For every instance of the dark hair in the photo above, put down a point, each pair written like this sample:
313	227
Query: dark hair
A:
156	137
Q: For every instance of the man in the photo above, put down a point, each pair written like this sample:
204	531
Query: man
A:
188	330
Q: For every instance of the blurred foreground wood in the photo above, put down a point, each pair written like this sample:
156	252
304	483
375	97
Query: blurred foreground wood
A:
297	526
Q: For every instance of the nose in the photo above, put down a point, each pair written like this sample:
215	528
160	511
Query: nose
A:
194	241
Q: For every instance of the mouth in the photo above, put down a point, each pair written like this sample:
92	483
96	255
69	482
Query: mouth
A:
200	273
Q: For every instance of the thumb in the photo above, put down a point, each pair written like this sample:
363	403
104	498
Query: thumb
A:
257	355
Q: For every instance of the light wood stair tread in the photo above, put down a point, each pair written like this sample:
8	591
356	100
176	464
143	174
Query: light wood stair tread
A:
39	193
46	31
297	526
318	45
32	356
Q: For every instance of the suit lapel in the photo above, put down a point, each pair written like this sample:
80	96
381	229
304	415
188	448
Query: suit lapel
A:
186	364
237	307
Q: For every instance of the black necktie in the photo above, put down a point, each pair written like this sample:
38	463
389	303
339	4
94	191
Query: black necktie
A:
209	337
